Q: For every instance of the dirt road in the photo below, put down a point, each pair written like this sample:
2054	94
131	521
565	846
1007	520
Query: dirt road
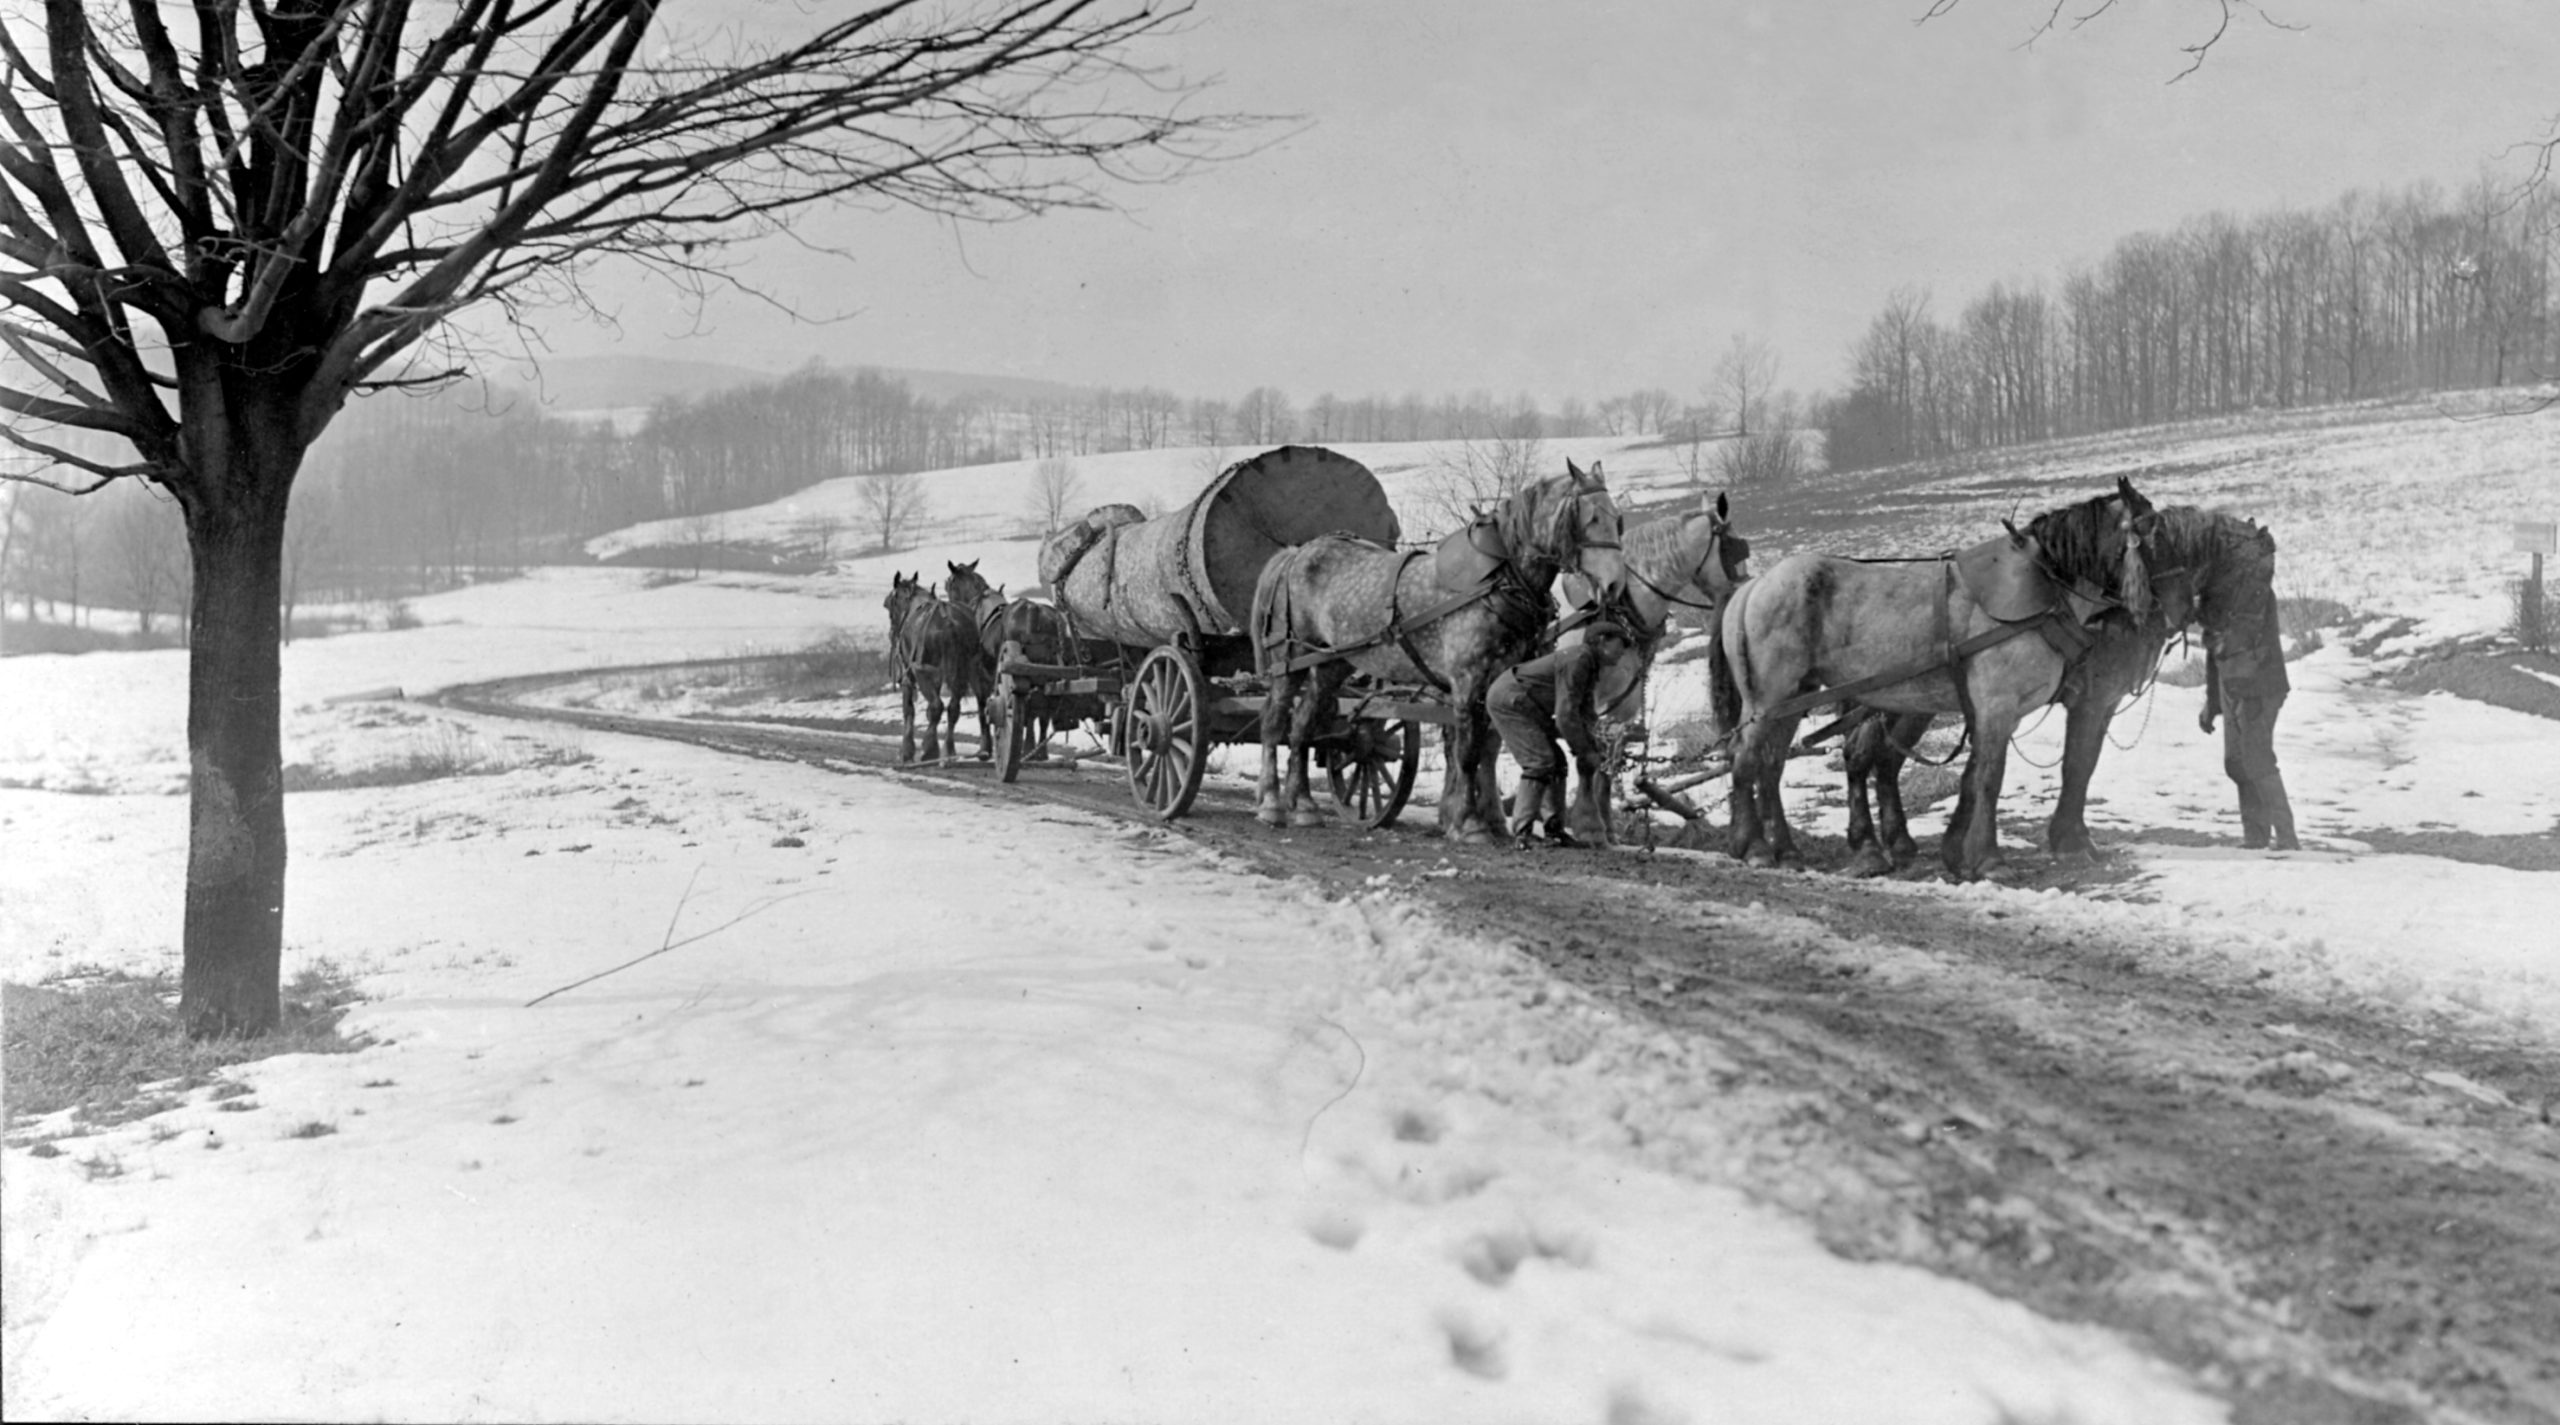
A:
2331	1214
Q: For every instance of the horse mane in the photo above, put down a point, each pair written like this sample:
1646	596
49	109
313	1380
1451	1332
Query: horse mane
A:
1650	546
1520	516
2086	542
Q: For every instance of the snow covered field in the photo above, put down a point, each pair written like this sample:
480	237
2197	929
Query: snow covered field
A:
969	1111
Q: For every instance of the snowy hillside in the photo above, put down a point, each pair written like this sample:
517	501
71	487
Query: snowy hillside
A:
958	1111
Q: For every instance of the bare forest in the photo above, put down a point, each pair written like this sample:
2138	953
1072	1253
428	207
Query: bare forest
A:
2375	295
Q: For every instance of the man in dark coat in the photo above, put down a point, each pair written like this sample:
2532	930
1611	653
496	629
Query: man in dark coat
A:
2245	682
1535	703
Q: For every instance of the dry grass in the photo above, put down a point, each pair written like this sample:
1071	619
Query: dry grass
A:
445	750
109	1045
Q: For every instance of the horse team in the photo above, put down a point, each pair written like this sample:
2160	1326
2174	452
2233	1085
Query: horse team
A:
2075	608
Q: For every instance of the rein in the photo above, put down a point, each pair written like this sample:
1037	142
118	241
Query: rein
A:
1507	581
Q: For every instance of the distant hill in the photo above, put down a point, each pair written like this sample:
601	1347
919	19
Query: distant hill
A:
594	383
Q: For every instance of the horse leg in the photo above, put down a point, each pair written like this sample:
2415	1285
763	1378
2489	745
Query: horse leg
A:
986	731
1773	771
2084	737
1277	703
937	703
1863	756
907	715
1314	706
1972	850
1759	819
1462	800
1894	827
1742	800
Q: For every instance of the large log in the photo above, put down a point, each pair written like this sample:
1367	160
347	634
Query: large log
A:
1192	571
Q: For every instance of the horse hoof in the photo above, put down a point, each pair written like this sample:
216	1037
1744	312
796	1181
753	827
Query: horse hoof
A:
1270	816
1868	864
1303	817
1760	856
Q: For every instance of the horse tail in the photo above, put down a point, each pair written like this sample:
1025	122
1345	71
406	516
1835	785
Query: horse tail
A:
1273	614
1724	694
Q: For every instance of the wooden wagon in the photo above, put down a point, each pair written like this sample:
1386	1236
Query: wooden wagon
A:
1156	609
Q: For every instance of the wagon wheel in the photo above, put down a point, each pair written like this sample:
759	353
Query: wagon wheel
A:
1006	712
1372	771
1007	717
1168	731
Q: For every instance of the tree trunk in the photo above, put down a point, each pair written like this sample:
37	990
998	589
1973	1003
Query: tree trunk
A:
236	844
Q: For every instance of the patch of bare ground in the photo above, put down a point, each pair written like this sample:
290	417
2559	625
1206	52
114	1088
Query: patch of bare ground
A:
2504	678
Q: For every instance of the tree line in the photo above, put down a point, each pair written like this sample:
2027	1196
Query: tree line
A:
412	492
2375	295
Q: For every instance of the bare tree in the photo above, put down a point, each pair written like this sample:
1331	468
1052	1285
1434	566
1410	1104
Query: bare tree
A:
2050	13
1477	474
893	504
821	532
1264	416
1057	493
147	548
1745	374
1693	436
214	233
308	532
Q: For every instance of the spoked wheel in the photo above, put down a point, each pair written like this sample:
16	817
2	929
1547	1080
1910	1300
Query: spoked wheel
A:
1009	719
1007	714
1371	769
1168	732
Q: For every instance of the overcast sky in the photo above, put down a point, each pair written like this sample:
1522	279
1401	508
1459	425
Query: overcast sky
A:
1582	200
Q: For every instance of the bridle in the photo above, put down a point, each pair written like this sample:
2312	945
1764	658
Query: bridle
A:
1569	539
1715	552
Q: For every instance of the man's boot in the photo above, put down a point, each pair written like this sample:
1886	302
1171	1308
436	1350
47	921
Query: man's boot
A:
1528	803
2253	819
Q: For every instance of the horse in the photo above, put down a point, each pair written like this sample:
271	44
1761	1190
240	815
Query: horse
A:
1949	634
1453	616
937	653
2208	568
1692	561
1038	631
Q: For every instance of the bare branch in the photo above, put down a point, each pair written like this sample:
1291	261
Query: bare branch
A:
2055	15
107	474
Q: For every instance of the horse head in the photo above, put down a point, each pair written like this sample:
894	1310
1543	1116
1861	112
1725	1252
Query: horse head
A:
2099	541
969	589
902	593
1587	530
1732	551
2136	522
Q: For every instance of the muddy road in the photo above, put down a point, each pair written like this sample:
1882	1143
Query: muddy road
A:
2326	1212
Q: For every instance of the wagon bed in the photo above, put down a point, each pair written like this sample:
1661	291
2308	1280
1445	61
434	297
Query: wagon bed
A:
1156	612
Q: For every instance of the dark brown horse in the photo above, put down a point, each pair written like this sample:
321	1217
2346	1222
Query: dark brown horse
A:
1989	632
1038	632
937	652
2206	567
1452	617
